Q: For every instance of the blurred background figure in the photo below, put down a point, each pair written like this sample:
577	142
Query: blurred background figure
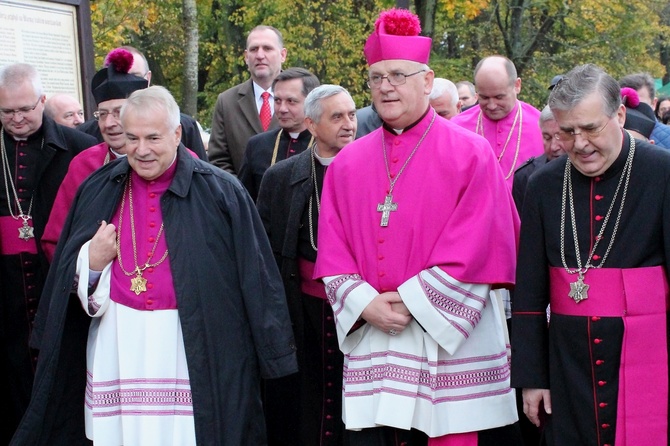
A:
64	109
444	98
640	117
467	94
662	107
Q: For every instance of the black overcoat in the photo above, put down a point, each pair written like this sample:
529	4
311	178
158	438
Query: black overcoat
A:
229	296
315	393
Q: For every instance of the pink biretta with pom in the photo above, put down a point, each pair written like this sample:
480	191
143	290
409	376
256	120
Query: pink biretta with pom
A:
396	36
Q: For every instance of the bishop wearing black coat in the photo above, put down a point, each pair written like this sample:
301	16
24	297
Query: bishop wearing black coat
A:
229	296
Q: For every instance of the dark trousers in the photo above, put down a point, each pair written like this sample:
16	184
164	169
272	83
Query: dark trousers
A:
389	436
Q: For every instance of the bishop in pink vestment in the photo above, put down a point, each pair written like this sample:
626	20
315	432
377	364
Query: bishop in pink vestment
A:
80	168
509	125
418	226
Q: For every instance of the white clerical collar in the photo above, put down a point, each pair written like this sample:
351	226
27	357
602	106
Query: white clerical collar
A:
294	135
398	131
323	161
117	154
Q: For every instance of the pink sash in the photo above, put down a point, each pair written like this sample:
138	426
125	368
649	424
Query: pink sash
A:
11	243
308	285
465	439
640	297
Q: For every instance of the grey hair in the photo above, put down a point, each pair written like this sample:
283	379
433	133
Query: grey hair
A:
546	115
580	82
510	69
468	84
151	100
12	76
441	86
313	109
280	38
638	80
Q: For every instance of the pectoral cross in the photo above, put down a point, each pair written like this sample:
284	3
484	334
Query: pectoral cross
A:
578	290
386	208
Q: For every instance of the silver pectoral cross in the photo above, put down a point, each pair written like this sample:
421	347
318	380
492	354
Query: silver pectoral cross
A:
579	289
386	208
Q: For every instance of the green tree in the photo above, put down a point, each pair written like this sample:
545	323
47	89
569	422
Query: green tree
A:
548	37
542	37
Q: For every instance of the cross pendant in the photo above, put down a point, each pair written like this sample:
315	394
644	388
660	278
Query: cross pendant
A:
386	208
578	290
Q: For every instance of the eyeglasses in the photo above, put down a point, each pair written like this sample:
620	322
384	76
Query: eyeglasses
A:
585	133
7	113
395	79
101	115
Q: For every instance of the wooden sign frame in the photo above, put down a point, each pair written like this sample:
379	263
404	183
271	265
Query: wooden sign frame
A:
55	36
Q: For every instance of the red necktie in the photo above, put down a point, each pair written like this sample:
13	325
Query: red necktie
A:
266	114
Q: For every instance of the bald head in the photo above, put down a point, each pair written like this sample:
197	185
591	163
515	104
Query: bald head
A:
64	109
140	66
497	85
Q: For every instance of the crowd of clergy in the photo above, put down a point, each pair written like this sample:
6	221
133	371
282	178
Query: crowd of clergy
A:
446	266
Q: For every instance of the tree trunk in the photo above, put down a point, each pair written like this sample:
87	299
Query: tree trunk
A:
425	9
190	83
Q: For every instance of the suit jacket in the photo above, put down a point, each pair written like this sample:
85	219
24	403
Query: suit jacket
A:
368	120
258	155
234	121
521	176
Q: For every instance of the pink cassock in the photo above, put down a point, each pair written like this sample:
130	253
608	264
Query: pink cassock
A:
80	168
160	293
497	132
453	209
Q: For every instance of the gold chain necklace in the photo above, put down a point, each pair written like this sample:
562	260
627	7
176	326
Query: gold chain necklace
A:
138	284
26	232
388	206
517	118
275	151
579	289
318	200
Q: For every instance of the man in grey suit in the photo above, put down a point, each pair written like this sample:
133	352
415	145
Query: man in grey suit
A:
237	112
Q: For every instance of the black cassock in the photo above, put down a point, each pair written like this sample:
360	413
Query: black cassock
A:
561	356
38	165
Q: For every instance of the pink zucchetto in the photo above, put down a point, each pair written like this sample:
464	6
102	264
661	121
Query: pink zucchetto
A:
396	36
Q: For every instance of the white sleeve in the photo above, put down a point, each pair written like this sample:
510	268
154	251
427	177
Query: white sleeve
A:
349	294
446	308
96	303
